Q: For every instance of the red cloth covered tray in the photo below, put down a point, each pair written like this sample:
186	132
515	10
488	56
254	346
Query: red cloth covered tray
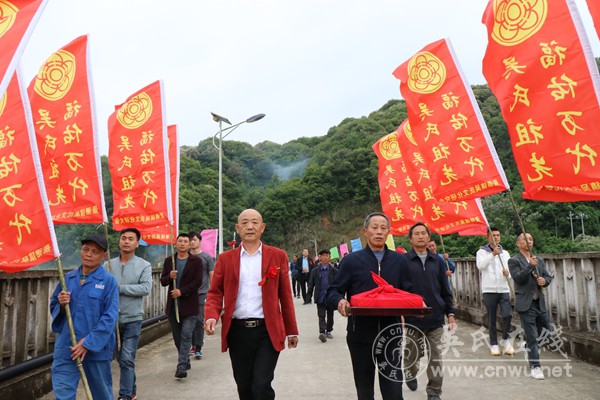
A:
386	296
388	312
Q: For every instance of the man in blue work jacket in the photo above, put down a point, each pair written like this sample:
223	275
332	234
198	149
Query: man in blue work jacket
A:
93	297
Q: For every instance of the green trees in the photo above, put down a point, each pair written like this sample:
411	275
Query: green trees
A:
320	188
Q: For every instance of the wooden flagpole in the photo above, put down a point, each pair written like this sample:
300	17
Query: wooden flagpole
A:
78	361
110	270
175	302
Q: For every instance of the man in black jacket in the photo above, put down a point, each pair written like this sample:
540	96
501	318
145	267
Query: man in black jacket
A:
354	277
304	265
320	278
428	277
186	277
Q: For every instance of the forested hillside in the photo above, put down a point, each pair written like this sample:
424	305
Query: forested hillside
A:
319	189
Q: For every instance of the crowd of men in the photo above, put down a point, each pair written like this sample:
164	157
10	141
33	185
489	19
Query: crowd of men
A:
252	290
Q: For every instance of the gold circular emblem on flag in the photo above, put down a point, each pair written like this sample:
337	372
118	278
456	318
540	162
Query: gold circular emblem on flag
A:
3	102
517	20
136	111
389	148
56	76
426	73
8	14
408	133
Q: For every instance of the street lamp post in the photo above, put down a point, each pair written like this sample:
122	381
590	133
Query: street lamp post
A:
221	136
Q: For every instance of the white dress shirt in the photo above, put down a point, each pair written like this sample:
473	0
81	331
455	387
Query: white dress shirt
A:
249	297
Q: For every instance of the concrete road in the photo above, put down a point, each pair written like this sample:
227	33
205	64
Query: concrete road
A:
317	370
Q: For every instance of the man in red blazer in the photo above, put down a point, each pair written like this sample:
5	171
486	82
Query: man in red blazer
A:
253	281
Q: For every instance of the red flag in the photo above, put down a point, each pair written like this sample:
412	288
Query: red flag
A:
137	159
63	112
479	231
539	65
406	192
396	189
26	232
448	126
162	234
442	217
17	20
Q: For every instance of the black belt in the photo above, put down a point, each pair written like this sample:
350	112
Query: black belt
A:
249	323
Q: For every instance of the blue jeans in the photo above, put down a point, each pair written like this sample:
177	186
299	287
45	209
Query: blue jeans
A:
65	378
130	336
198	337
532	321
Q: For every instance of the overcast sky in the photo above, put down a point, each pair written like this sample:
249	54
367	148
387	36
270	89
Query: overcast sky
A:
306	64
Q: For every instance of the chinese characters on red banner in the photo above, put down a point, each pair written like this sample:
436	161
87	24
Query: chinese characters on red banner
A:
138	163
162	234
547	84
448	126
406	192
62	112
26	231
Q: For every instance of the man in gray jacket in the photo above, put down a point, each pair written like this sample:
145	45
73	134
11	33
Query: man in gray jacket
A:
209	269
530	276
134	276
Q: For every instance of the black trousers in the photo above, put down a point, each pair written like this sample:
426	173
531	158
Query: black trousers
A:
253	360
303	279
363	368
295	285
325	315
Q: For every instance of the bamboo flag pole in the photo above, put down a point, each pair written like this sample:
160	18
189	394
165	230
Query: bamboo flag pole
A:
110	270
78	361
510	288
175	302
448	269
512	201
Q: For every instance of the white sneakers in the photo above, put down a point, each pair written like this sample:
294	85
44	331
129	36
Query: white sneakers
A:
508	349
495	350
536	373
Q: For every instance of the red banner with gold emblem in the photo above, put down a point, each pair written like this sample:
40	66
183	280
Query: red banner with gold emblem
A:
161	234
17	20
407	195
448	126
138	161
63	113
395	186
26	231
594	7
539	65
443	217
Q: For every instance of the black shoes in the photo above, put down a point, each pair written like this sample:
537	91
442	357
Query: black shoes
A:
413	385
181	373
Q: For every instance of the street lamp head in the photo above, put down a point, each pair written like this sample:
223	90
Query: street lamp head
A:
255	118
218	118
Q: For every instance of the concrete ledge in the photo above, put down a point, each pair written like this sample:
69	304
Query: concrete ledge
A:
36	383
583	346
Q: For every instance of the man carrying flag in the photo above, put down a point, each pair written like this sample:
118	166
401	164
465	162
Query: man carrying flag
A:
93	297
183	279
